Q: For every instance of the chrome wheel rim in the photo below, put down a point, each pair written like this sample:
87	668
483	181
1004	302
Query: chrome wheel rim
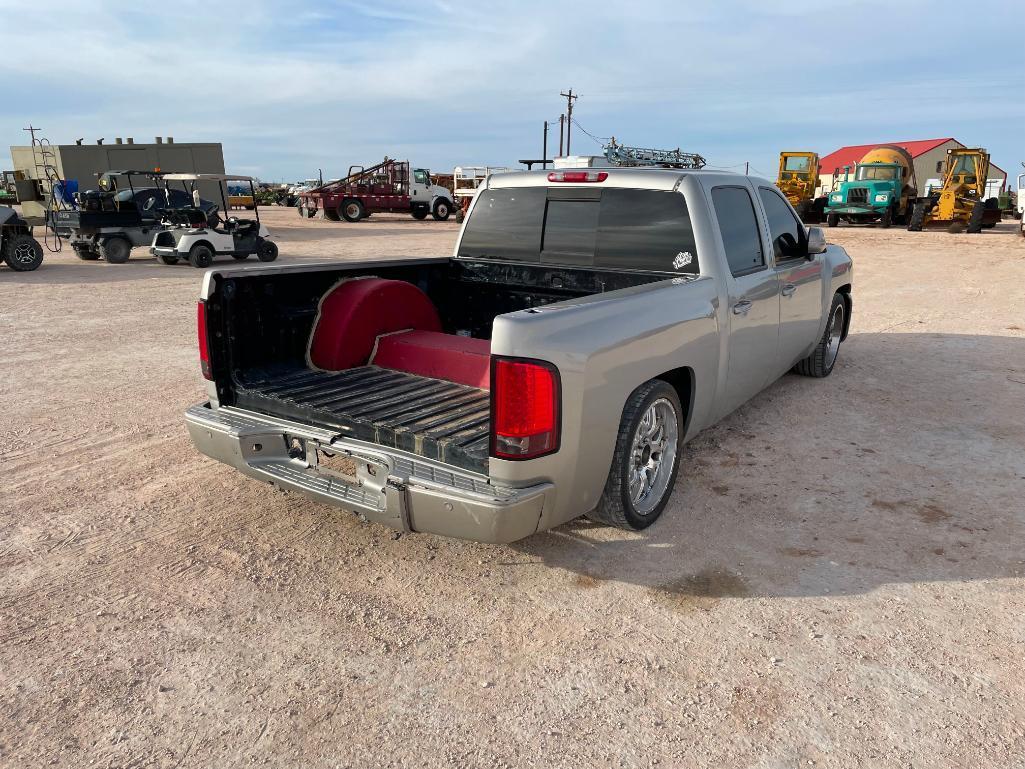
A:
442	210
835	332
24	253
352	210
653	455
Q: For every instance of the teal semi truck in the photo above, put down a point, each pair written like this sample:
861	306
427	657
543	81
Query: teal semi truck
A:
881	188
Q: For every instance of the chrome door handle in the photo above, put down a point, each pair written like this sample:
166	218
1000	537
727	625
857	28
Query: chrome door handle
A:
788	289
742	307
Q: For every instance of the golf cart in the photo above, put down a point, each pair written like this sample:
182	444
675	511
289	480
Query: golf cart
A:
189	234
18	248
116	217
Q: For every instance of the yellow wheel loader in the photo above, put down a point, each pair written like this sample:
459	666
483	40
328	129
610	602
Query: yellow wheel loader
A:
797	178
959	204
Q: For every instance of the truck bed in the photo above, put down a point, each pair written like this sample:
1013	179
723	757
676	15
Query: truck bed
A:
428	417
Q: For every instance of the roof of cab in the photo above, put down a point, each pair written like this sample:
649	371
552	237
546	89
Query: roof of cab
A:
643	178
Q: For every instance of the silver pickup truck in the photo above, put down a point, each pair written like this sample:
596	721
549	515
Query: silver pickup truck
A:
590	322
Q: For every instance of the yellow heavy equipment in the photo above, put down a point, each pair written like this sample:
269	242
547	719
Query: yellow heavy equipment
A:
797	178
959	203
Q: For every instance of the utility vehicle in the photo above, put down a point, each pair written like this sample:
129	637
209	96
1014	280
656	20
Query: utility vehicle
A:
18	248
590	322
116	217
189	235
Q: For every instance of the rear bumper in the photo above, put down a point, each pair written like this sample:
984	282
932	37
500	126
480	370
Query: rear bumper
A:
163	251
399	490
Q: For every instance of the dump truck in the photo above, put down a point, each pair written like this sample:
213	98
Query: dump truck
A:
960	203
387	187
797	178
883	190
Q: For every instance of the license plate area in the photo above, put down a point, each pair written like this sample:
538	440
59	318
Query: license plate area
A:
347	466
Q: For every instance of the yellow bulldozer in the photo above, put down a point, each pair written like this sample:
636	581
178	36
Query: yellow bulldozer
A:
797	178
959	204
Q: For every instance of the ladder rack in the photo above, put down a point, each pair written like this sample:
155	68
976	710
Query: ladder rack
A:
621	155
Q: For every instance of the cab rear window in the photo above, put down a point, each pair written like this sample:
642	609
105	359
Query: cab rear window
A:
611	228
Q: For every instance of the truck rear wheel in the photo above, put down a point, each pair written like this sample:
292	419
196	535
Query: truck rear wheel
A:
441	211
351	210
116	250
23	253
85	252
420	211
646	459
887	218
201	256
832	220
822	359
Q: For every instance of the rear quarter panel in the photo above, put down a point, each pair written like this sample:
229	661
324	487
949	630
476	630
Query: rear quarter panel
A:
605	346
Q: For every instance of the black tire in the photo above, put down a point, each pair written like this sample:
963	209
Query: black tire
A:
352	210
442	210
84	252
917	220
116	250
267	251
420	212
201	256
616	507
886	220
832	220
975	220
803	209
23	253
460	215
167	259
822	359
332	215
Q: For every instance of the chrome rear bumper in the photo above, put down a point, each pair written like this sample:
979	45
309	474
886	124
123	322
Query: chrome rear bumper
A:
391	487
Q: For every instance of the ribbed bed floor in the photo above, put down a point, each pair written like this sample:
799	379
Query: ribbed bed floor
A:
428	417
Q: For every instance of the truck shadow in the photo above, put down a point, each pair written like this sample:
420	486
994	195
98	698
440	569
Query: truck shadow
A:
905	466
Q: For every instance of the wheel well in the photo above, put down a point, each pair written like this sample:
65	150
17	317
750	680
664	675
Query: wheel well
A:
848	306
682	380
195	243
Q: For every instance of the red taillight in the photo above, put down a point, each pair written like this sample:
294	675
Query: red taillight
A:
524	408
204	346
578	176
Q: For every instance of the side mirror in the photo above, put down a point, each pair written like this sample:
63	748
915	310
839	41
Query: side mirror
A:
816	241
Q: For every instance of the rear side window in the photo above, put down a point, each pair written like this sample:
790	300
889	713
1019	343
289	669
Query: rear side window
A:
506	224
738	225
781	221
588	227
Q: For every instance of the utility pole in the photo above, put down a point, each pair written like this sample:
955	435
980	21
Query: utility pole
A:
562	125
747	166
544	148
570	98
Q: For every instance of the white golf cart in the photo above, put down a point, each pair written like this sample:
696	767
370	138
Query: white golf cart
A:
190	236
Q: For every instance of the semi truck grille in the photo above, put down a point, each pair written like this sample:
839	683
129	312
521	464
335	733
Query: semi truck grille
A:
857	196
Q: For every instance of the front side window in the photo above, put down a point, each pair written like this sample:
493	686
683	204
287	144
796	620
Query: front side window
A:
420	176
786	231
738	226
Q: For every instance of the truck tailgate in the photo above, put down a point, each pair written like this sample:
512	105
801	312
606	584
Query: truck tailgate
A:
429	417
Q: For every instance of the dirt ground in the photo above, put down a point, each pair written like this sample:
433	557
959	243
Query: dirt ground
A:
837	582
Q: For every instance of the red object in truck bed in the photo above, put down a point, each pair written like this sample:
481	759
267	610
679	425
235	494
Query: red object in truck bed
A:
354	313
459	359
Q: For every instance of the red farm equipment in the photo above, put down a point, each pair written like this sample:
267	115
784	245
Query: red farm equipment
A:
387	187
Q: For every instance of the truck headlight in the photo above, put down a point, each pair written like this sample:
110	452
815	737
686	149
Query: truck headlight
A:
836	197
882	198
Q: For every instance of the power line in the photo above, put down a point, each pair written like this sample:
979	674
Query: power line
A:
601	141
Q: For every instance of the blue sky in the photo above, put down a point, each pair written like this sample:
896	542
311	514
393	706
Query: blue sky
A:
292	87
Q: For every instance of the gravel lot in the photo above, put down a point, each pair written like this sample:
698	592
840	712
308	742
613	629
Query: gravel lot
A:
838	581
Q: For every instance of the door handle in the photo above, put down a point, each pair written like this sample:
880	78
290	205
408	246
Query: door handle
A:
742	307
788	289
